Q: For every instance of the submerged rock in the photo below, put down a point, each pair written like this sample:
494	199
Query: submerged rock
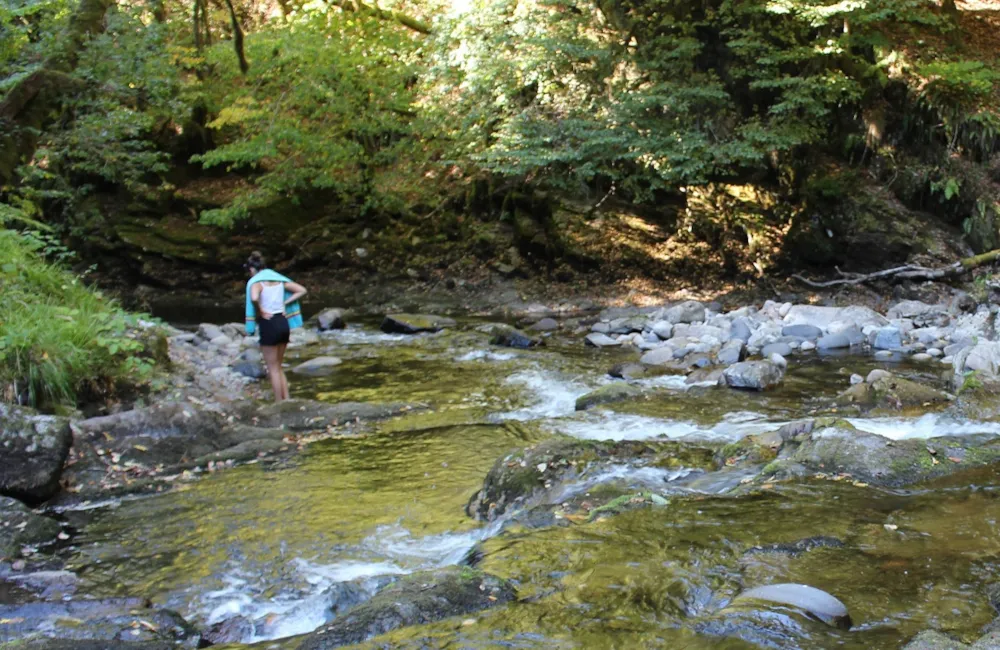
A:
415	323
754	375
815	602
230	630
415	599
883	390
107	621
615	392
317	366
310	415
524	476
20	526
933	640
33	449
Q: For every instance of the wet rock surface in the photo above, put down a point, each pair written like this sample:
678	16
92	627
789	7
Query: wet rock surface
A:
415	599
415	323
108	621
33	449
19	526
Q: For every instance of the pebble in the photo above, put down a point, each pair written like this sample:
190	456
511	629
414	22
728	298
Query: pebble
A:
923	356
935	352
807	346
778	360
856	379
883	355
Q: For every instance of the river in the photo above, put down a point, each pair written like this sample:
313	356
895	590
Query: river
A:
274	541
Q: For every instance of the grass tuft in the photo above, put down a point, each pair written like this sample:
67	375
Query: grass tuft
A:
62	342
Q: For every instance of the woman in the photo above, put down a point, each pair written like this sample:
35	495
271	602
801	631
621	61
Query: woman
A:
276	313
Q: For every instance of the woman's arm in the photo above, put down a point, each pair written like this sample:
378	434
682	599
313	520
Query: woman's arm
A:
297	292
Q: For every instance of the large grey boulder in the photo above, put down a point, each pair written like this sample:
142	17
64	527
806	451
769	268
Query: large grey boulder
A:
732	352
802	330
982	358
753	375
19	526
887	338
33	449
415	599
330	319
841	340
658	357
689	311
921	313
415	323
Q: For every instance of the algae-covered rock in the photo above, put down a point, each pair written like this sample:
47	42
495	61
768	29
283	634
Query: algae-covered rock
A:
618	391
20	526
415	323
310	415
413	600
33	449
934	640
886	391
510	337
525	475
838	447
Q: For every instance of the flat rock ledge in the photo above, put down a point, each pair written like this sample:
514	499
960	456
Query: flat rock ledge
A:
128	450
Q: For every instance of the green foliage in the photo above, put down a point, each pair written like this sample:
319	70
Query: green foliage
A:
326	109
60	340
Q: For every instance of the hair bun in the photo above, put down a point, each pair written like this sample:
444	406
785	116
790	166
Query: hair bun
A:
256	260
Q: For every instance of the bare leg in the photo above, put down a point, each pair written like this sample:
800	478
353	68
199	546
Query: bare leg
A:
284	379
270	354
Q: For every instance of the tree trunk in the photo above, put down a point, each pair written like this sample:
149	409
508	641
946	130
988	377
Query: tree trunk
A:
238	38
31	103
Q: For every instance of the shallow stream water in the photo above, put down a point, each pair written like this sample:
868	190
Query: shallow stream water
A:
271	540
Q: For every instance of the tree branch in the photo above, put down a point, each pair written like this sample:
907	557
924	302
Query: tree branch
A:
911	272
401	18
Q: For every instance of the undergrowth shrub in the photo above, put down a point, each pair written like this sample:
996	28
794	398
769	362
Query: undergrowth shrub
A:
60	341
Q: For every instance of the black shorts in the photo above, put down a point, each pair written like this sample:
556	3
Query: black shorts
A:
273	330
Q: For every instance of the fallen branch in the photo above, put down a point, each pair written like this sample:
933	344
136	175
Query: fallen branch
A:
910	272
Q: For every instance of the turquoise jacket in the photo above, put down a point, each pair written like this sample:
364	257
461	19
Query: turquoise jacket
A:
293	312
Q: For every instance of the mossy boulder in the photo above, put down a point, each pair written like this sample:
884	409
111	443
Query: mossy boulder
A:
839	448
889	392
523	477
20	526
415	599
934	640
415	323
33	449
618	391
511	337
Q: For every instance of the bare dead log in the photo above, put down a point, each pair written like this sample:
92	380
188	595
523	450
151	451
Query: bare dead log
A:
908	272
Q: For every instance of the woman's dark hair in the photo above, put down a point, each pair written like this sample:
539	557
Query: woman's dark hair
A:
255	261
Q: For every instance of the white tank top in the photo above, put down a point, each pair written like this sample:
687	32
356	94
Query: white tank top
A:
272	299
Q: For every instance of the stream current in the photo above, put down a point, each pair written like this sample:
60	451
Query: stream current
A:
273	541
